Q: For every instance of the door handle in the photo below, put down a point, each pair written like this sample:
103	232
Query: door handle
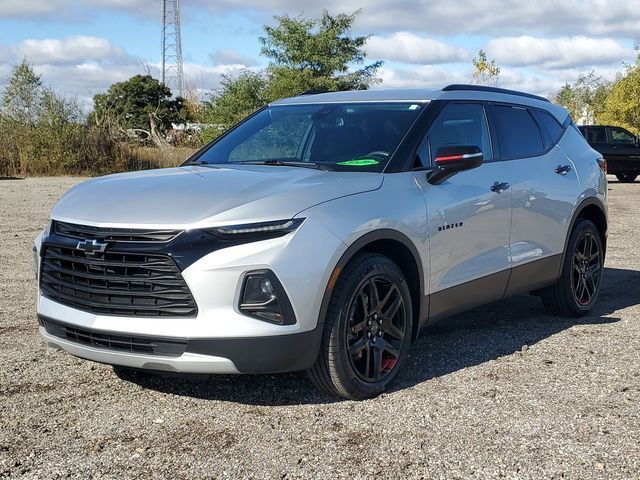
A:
499	187
563	169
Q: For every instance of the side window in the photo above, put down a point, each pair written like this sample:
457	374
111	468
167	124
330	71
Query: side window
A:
518	133
458	124
551	129
596	135
620	135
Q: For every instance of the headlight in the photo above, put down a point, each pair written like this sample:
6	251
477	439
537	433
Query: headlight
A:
264	298
261	230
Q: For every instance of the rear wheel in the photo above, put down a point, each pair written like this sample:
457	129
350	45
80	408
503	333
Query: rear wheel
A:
367	329
627	177
577	289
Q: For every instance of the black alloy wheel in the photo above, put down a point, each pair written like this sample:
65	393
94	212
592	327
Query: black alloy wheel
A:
367	329
376	328
585	278
576	291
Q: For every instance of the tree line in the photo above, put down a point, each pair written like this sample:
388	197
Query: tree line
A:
131	124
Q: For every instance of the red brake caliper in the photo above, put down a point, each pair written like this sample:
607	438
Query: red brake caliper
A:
388	363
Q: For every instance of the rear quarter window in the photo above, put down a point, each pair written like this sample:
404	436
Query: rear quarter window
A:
551	129
518	133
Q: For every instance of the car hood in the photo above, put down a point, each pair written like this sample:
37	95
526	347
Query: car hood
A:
195	196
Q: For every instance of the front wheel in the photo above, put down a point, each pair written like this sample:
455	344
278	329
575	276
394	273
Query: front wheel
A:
367	329
576	291
627	177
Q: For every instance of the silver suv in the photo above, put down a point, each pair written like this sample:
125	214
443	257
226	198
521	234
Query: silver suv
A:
323	232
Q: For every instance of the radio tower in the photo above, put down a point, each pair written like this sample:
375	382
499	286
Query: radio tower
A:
172	74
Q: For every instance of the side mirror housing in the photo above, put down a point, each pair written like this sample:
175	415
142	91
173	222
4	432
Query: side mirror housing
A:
453	159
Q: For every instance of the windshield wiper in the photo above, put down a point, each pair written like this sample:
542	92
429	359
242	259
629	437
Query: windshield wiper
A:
281	163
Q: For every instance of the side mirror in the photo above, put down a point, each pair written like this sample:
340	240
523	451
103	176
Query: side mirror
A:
453	159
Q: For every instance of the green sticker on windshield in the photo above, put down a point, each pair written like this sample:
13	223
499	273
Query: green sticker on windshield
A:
360	162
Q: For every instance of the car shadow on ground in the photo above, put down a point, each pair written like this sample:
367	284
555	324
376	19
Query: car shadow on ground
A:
464	340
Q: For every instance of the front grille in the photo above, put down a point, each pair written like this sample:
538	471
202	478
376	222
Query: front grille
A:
108	234
115	283
110	341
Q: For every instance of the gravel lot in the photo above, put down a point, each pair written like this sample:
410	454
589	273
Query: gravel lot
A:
504	391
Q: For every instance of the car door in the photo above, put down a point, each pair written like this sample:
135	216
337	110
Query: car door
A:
469	215
544	187
624	152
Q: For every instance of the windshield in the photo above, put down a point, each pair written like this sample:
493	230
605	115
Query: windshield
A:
341	136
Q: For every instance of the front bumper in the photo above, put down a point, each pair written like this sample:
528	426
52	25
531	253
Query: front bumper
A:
274	354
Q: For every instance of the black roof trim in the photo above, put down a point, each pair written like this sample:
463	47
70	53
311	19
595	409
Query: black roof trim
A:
482	88
313	91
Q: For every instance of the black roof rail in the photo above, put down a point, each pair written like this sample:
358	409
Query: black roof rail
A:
313	91
482	88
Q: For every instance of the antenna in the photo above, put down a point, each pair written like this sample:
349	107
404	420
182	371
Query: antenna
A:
172	72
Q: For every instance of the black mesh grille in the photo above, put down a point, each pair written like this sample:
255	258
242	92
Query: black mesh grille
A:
109	341
115	283
107	234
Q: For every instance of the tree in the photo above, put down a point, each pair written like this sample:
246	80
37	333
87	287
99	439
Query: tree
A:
305	54
315	54
585	98
622	105
142	105
23	95
485	72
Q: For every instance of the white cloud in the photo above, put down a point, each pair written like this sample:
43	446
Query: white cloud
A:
447	17
229	56
410	48
438	17
69	51
82	66
420	77
557	53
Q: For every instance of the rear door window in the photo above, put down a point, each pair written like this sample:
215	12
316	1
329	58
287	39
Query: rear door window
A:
518	133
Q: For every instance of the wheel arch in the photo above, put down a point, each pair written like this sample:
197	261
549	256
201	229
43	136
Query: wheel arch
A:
590	209
399	248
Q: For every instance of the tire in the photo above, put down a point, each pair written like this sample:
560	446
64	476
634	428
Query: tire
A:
577	290
626	177
367	329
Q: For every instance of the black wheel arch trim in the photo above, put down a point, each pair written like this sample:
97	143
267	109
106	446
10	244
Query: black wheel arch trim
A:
355	247
587	202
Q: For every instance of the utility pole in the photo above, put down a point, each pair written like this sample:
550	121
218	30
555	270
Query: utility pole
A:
172	72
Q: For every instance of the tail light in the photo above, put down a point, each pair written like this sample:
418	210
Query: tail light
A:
602	163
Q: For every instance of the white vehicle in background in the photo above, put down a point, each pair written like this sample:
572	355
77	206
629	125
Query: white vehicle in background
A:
323	232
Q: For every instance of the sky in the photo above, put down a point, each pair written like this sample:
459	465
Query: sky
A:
80	47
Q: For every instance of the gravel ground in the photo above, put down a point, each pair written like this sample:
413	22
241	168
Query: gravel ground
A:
505	391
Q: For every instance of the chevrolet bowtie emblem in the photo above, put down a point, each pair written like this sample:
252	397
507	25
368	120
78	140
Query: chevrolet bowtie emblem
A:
91	247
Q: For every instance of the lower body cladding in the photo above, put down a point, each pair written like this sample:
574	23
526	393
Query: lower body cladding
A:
214	355
220	338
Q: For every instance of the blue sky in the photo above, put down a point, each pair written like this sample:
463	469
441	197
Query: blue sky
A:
81	47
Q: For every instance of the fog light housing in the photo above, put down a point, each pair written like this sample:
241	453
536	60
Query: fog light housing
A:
264	298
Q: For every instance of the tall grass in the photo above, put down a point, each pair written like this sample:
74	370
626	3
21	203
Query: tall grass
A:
43	149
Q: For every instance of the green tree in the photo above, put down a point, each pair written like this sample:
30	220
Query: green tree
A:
316	54
237	97
142	105
585	98
622	105
305	54
485	72
23	95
